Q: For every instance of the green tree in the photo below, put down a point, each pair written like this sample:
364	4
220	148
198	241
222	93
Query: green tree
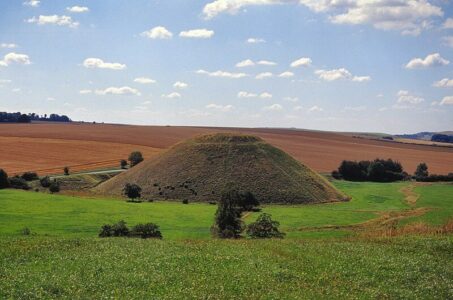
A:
422	170
264	228
66	170
4	182
132	191
54	187
135	158
123	164
228	223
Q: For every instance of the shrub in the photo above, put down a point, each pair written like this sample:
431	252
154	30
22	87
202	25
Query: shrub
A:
18	183
45	182
26	231
145	231
120	229
436	178
54	187
123	164
132	191
66	171
106	231
264	228
4	182
422	170
30	176
185	201
247	201
336	175
135	158
379	170
228	223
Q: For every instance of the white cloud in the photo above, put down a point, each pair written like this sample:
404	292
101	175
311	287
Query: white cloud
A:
54	20
243	94
291	99
286	74
361	78
446	82
78	9
266	63
273	107
93	63
158	32
407	16
180	85
85	92
448	41
223	108
8	45
265	95
255	41
222	74
144	80
335	74
404	97
432	60
315	108
17	58
448	24
447	100
16	90
197	34
245	63
32	3
298	108
125	90
173	95
264	75
3	81
301	62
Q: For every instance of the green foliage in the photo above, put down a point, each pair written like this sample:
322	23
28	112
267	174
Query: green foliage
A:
45	182
146	231
54	187
132	191
123	164
135	158
185	201
228	223
379	170
120	229
4	182
264	228
29	176
18	183
26	231
66	171
422	170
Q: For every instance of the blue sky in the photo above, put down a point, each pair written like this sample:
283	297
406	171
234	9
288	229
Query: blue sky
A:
344	65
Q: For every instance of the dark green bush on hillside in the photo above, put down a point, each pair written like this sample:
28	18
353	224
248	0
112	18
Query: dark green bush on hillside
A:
379	170
30	176
4	182
145	231
45	182
135	158
18	183
264	228
54	187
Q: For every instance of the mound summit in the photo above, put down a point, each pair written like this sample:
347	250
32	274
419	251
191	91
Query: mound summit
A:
198	169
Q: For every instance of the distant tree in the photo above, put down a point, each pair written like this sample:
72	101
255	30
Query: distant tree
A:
66	171
135	158
54	187
228	223
422	170
132	191
264	227
123	164
4	182
376	171
30	176
18	183
23	119
145	231
45	182
247	201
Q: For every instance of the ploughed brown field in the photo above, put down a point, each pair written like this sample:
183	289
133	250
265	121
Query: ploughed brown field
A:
48	147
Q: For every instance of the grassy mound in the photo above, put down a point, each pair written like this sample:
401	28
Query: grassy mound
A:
198	169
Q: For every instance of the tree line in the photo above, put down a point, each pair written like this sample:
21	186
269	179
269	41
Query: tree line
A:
18	117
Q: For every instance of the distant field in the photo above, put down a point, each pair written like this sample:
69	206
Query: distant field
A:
322	151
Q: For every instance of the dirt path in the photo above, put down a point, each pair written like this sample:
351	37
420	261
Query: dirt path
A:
410	196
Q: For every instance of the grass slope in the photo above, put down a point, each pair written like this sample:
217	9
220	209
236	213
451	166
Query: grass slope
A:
199	169
119	268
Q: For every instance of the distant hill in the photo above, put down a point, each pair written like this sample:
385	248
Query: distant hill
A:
426	136
198	169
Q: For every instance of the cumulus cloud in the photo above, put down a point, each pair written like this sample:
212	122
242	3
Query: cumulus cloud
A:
54	20
158	32
273	107
93	63
197	34
8	45
264	75
264	95
17	58
78	9
245	63
406	16
404	97
222	74
286	74
223	108
291	99
266	63
180	85
124	90
255	41
173	95
446	82
144	80
301	62
342	73
432	60
315	108
32	3
447	100
361	78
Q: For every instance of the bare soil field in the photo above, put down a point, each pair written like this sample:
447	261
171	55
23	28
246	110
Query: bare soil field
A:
47	147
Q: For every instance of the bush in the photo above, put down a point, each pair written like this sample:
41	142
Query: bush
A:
228	223
135	158
4	182
247	201
30	176
120	229
123	164
66	171
106	231
45	182
436	178
18	183
264	228
185	201
422	170
26	231
145	231
379	170
54	187
132	191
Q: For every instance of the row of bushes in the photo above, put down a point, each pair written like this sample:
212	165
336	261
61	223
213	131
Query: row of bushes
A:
379	170
21	182
120	229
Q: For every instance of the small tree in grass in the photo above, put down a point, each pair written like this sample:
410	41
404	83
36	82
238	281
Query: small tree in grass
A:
66	171
4	182
45	182
146	231
264	228
54	187
422	170
132	191
135	158
228	223
123	164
